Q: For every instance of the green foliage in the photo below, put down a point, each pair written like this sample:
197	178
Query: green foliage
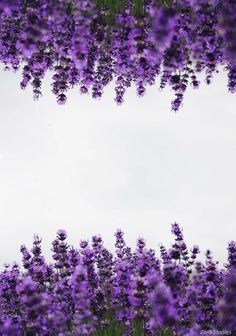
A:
110	8
116	6
116	328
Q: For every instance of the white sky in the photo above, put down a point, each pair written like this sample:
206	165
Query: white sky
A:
90	167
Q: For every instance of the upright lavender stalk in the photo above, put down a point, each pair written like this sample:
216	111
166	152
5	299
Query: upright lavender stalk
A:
227	305
83	321
35	306
164	313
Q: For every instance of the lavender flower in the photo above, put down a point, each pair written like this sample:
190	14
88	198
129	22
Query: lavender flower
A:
227	307
164	313
83	321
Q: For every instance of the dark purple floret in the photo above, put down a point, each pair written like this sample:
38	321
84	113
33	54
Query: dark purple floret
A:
177	232
232	254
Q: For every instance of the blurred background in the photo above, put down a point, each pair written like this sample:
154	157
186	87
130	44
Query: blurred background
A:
91	167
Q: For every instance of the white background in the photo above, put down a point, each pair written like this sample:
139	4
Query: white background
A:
91	167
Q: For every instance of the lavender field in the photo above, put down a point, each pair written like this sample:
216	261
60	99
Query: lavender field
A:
88	289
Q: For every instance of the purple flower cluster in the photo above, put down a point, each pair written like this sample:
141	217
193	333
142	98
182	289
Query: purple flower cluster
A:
90	291
86	44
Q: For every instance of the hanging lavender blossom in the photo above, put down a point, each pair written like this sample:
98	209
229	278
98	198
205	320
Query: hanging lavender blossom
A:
89	43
